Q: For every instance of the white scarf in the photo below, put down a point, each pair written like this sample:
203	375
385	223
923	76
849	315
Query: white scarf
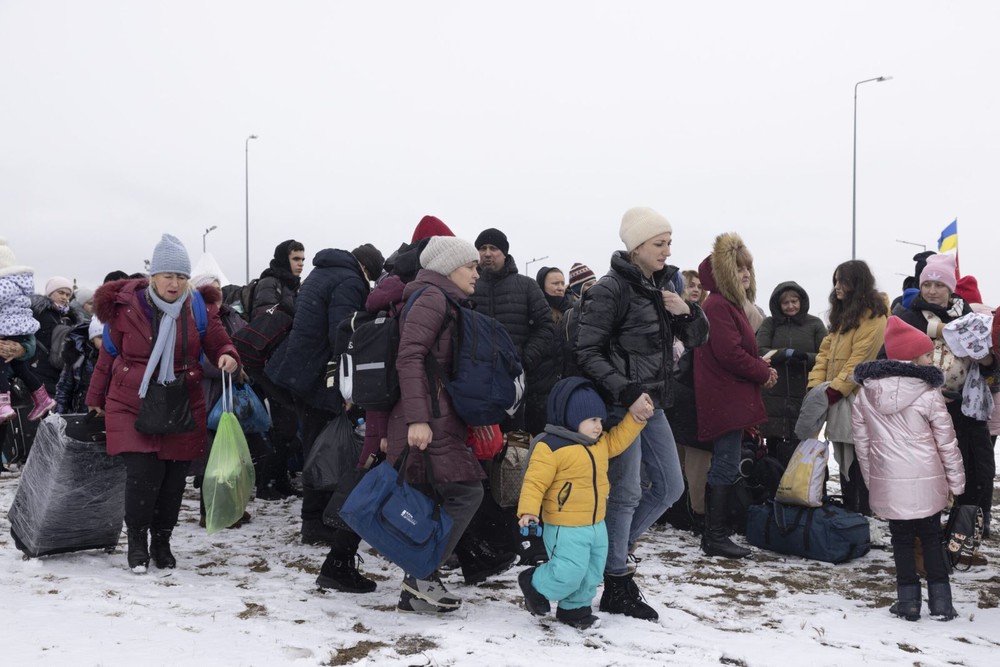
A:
166	339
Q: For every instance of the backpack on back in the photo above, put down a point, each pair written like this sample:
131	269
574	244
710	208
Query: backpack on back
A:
367	371
56	344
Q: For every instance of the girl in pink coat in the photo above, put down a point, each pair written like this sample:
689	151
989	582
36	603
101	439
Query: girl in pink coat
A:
909	457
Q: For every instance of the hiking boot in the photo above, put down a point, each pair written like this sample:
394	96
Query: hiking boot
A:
622	596
6	412
939	601
340	572
431	590
534	601
43	403
268	492
411	604
479	561
715	540
578	618
907	604
159	549
138	549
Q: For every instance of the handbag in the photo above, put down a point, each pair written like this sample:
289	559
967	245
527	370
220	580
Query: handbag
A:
229	475
247	407
963	535
401	523
166	408
803	482
507	471
257	340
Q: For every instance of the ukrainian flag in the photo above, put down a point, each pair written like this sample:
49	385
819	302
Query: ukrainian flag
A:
949	237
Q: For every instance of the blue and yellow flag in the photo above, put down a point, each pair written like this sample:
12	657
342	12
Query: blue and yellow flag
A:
949	237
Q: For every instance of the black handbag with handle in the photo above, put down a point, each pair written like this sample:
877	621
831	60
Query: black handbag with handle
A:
963	535
166	408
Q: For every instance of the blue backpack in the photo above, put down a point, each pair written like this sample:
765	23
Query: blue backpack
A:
200	320
486	369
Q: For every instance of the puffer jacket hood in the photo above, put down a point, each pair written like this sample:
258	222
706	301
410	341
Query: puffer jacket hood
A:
904	383
121	291
718	271
775	303
559	400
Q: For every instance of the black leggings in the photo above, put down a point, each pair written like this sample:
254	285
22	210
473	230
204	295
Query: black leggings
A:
928	530
153	490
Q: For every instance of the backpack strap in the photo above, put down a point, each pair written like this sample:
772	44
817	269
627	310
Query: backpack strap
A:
198	308
431	364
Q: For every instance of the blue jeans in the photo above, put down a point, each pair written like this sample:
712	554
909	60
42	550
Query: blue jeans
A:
726	450
633	505
576	564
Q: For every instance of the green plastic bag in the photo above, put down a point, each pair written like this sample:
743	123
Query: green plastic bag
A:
229	476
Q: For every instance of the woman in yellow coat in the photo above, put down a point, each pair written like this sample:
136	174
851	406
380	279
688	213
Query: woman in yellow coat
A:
858	315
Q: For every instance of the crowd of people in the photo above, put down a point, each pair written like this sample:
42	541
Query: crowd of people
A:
643	387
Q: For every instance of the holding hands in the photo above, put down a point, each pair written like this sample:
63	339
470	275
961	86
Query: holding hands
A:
642	409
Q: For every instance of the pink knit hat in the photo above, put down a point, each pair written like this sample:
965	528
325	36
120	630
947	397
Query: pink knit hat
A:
941	269
904	342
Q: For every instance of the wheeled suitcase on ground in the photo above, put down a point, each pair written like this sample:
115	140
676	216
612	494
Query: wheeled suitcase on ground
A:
829	533
71	495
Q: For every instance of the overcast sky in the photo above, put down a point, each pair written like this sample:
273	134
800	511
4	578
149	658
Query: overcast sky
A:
123	120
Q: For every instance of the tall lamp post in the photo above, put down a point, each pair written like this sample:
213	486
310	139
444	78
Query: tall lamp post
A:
532	261
204	248
246	166
854	179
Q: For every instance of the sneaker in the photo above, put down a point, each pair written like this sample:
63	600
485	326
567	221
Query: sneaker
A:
578	618
534	601
431	590
340	572
411	604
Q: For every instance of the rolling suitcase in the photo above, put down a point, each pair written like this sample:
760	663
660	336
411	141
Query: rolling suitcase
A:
71	495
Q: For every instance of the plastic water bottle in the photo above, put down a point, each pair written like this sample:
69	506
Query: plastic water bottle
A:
359	430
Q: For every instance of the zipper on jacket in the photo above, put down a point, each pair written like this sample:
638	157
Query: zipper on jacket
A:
563	496
593	467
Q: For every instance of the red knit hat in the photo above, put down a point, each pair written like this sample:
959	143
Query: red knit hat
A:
967	288
904	342
430	226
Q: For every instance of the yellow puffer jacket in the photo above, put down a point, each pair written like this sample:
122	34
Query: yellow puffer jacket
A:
570	484
841	352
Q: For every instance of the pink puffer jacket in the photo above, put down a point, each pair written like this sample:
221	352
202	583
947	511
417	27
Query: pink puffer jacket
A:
904	440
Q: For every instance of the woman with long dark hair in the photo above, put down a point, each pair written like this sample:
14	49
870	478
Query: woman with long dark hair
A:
858	314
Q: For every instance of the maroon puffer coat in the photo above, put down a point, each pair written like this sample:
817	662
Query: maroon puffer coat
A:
122	306
420	333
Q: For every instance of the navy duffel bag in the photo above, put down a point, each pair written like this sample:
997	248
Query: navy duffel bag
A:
829	533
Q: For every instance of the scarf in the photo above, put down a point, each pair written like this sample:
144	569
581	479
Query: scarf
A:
166	339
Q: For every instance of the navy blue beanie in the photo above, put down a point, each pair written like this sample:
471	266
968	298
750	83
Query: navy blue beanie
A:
584	403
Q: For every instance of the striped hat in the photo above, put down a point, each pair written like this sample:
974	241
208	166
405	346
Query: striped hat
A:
580	275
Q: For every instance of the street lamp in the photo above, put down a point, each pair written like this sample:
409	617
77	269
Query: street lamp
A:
204	249
246	165
854	178
922	246
532	261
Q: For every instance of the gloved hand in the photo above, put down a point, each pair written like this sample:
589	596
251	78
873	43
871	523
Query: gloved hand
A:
779	358
799	356
832	395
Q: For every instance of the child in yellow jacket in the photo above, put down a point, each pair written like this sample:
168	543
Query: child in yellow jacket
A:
567	483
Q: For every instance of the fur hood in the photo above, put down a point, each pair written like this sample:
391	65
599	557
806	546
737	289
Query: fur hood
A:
885	368
892	386
718	271
110	294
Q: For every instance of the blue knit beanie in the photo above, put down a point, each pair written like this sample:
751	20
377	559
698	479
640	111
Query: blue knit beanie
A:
584	403
170	256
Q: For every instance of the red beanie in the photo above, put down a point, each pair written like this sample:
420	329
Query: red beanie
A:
967	288
904	342
430	226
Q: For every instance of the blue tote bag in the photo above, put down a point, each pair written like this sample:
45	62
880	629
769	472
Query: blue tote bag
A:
400	522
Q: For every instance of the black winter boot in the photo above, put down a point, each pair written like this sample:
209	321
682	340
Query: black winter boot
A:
479	561
622	596
715	540
907	604
580	618
534	601
138	549
939	601
340	572
159	549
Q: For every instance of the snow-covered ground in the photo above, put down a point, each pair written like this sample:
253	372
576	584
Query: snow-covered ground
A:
247	597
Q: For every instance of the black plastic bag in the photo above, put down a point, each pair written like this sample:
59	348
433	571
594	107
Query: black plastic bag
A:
335	451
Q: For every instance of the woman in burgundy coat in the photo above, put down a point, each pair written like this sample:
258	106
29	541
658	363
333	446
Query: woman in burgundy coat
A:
728	379
146	321
423	419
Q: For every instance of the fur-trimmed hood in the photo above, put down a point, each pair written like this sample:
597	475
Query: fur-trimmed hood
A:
718	271
121	291
891	385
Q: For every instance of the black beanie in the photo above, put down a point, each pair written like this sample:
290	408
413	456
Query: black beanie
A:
493	237
921	259
370	258
115	275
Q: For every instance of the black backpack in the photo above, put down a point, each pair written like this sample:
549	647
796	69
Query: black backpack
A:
367	375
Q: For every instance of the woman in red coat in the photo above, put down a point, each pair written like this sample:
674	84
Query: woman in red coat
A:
147	323
424	419
728	379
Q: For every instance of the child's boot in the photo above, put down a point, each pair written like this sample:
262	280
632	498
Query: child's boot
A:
939	601
907	604
578	618
6	412
43	403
